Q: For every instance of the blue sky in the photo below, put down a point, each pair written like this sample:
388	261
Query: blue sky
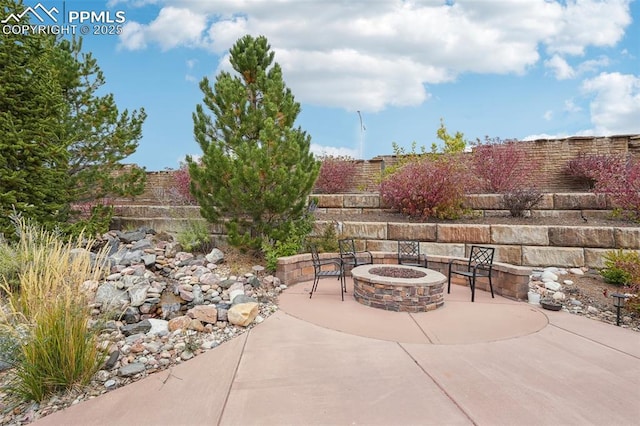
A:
520	69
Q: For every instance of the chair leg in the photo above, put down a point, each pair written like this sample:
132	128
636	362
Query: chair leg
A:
491	287
449	281
314	286
472	284
342	287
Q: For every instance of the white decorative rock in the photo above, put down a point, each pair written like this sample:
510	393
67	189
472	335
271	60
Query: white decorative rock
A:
552	285
158	327
567	282
548	276
576	271
558	295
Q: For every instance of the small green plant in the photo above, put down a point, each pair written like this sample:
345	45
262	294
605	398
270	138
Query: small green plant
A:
9	263
622	267
327	241
292	244
195	237
9	348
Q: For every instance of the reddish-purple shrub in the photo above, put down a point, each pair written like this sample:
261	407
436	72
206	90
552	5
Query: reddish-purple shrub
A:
621	180
428	187
502	167
182	185
336	175
587	168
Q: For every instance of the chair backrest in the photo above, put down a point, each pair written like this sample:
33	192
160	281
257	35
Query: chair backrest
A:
481	256
347	246
408	250
315	257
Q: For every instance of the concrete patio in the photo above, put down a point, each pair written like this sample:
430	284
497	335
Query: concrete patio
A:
323	361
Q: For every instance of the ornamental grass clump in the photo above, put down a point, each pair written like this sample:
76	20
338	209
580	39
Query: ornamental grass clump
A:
48	314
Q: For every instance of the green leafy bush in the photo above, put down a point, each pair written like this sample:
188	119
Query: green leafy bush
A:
327	241
195	237
292	244
622	267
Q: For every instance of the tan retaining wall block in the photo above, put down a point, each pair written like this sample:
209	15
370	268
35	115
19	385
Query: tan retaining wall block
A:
440	249
579	201
482	201
552	256
627	237
507	254
366	230
581	236
359	200
524	234
480	234
329	200
412	231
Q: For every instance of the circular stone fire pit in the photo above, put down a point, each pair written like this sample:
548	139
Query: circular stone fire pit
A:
398	288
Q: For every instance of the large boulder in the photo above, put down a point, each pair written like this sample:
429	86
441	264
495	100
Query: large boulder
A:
243	314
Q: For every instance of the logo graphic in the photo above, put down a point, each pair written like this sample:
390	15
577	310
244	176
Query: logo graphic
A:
34	12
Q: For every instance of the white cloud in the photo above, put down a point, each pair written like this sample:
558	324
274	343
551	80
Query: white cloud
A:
320	150
563	71
133	36
545	136
615	107
586	23
570	106
560	68
173	27
371	55
548	115
593	65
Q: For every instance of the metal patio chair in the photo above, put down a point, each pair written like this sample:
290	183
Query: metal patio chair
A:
479	265
350	256
319	271
409	254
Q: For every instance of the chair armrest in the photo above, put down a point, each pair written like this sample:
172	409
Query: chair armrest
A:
368	254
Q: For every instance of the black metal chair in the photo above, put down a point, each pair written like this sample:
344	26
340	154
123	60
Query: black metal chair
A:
319	272
350	256
479	265
409	254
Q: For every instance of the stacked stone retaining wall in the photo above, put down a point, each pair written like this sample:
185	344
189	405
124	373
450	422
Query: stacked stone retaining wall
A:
525	245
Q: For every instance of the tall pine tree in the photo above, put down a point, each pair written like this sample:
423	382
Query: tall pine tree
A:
256	170
99	136
60	142
33	154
